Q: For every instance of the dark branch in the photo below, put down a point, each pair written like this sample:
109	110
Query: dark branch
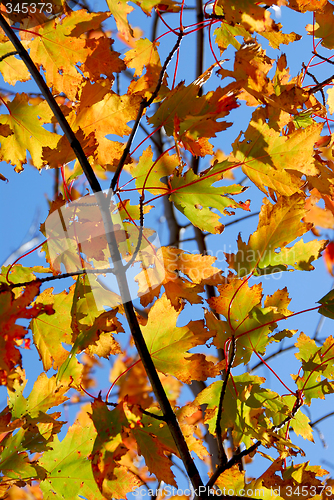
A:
230	359
103	203
13	53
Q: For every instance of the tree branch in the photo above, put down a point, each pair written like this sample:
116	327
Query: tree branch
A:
103	203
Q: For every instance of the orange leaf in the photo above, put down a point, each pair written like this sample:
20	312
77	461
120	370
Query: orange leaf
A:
11	310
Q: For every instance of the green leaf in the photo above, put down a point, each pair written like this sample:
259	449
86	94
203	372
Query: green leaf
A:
90	328
149	174
327	307
44	395
14	461
318	368
69	472
169	345
243	411
195	197
51	331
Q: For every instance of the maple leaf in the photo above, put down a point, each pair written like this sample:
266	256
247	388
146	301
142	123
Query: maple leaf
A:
276	37
226	35
15	463
169	344
148	174
50	331
267	156
145	54
116	431
251	335
243	414
12	69
44	395
90	329
246	13
251	66
120	10
192	119
323	27
167	262
307	5
28	133
247	320
131	212
20	274
104	112
316	215
113	478
102	60
232	480
63	152
300	422
194	196
58	49
287	94
68	472
317	365
11	333
266	251
37	429
293	477
133	384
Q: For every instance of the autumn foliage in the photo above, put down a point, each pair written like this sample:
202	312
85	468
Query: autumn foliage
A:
82	125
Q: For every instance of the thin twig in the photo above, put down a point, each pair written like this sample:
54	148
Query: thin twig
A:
322	57
13	53
241	219
230	358
143	105
145	412
325	82
316	82
144	129
313	424
61	276
279	351
234	460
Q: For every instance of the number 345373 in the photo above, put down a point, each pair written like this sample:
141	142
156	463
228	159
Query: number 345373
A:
31	7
